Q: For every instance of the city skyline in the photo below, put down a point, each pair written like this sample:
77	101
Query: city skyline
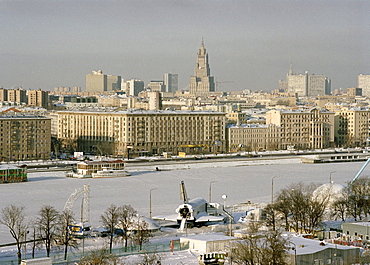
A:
49	44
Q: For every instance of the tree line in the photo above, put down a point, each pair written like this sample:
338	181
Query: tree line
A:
52	228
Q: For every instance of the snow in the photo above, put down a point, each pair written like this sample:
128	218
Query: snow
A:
240	180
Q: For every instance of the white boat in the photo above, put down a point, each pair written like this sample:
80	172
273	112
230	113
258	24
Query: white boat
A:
108	172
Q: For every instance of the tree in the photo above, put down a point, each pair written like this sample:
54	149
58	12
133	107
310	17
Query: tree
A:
127	214
142	233
47	225
301	211
99	257
260	247
151	259
110	219
14	218
65	237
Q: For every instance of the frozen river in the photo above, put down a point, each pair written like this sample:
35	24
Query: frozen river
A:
241	181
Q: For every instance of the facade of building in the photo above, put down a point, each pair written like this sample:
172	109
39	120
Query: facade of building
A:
352	127
39	98
3	94
156	86
113	82
201	83
311	129
171	82
155	100
24	138
17	95
155	132
354	92
364	83
134	87
96	82
253	137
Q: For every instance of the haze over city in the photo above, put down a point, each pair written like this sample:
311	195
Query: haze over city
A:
51	43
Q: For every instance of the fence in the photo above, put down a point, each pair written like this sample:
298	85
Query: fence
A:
73	257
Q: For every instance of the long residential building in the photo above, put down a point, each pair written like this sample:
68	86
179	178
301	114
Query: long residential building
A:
253	137
24	137
310	129
138	132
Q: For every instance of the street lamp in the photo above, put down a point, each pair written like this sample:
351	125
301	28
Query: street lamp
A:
272	201
210	191
224	198
150	202
330	175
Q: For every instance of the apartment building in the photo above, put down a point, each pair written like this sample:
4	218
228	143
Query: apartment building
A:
140	132
39	98
352	127
24	137
253	137
310	129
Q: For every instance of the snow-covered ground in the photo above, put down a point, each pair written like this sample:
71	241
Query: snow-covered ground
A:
241	181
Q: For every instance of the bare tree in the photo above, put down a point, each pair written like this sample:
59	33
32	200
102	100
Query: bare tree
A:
359	202
127	215
65	237
47	225
151	259
260	247
301	211
110	219
14	218
142	233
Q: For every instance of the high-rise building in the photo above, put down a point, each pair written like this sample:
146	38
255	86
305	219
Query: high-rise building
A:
305	85
39	98
364	83
113	82
155	100
17	95
171	82
201	83
134	86
96	82
3	94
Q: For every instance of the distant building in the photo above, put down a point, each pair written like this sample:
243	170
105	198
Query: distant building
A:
24	138
354	92
113	83
18	95
364	83
156	86
3	94
67	89
305	85
171	82
39	98
201	83
134	87
155	100
96	82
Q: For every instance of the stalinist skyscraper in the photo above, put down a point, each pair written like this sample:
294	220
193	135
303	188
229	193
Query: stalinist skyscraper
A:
202	83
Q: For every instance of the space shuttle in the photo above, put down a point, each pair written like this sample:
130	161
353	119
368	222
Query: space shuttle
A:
196	212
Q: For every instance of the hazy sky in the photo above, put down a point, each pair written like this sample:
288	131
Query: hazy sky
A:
49	43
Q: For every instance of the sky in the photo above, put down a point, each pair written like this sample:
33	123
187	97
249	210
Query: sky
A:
251	43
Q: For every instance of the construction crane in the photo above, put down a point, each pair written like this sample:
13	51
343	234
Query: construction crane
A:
221	82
